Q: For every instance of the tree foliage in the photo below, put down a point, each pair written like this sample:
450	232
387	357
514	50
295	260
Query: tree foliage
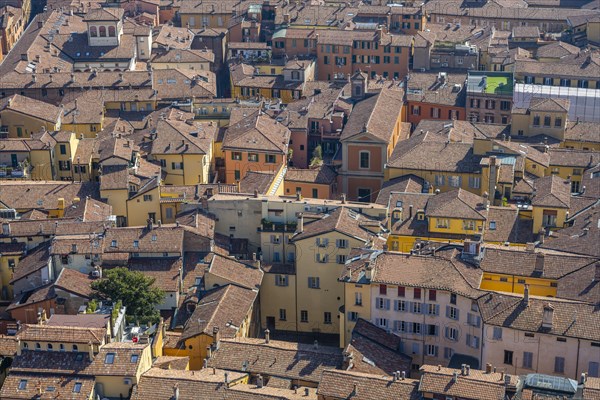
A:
134	289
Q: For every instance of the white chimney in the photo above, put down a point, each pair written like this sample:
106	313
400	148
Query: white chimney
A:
548	316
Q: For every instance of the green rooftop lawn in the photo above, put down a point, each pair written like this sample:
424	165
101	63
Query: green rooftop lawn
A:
493	84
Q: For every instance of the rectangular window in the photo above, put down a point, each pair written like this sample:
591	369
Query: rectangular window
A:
253	157
416	308
416	110
442	223
452	312
313	282
303	316
147	197
341	258
452	333
364	159
282	314
401	291
448	352
353	316
432	330
381	322
468	225
417	293
382	304
527	359
63	149
383	289
474	182
236	155
281	280
439	180
497	333
327	317
431	350
452	298
473	320
508	357
433	309
341	243
416	328
399	305
432	295
357	298
454	181
270	158
559	365
593	369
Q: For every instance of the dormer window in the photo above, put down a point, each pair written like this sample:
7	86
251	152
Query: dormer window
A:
113	243
134	358
136	244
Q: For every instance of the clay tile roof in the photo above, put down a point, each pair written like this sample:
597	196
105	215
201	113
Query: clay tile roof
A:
8	346
477	384
376	115
164	270
570	318
172	362
549	104
104	14
257	132
557	50
417	271
31	107
504	225
341	220
259	181
402	184
180	137
580	285
164	239
49	386
280	359
506	260
35	260
526	32
159	384
128	358
581	238
376	351
323	175
457	204
60	334
573	158
75	282
340	385
25	195
233	271
552	191
225	307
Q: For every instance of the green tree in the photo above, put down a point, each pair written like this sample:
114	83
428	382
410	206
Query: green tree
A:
134	289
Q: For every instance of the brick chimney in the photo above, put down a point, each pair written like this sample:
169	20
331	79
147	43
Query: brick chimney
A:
548	316
539	263
597	272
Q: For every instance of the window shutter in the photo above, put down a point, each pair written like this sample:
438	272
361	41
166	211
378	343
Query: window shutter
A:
318	283
172	165
436	350
468	340
410	328
285	280
387	304
469	318
447	311
436	331
437	309
395	305
476	342
309	283
409	306
478	321
457	314
447	332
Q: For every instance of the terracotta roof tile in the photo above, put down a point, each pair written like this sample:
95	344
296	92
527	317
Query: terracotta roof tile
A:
75	282
61	334
279	359
341	220
47	386
127	359
236	272
340	385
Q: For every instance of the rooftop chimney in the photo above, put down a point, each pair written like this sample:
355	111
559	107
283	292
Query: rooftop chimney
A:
526	295
539	263
300	227
468	370
403	376
259	381
597	272
175	392
455	377
316	345
355	391
267	335
463	369
343	198
488	368
548	316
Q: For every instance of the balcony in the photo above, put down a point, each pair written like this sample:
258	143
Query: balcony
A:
20	171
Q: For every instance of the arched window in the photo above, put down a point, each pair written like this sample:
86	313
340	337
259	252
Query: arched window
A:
75	348
102	31
93	31
50	347
38	346
112	32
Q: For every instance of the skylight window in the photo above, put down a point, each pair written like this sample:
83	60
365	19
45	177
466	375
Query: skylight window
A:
135	358
110	358
23	384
